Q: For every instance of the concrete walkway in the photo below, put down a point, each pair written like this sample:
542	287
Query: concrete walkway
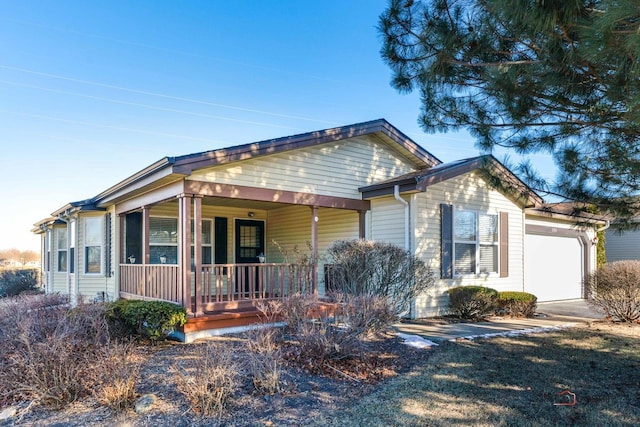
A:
549	316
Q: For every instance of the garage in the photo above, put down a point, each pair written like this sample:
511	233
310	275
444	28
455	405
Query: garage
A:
554	263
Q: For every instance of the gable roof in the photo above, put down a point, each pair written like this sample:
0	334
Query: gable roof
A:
495	172
170	169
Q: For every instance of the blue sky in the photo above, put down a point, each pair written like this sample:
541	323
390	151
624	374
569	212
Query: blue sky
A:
93	91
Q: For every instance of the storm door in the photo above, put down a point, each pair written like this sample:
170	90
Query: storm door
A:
249	244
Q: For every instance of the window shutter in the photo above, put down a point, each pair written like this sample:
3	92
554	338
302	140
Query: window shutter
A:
107	245
446	241
504	244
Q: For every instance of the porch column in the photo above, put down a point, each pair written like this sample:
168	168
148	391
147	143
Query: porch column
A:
184	249
146	257
197	252
314	248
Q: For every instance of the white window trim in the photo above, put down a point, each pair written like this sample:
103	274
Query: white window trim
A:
477	244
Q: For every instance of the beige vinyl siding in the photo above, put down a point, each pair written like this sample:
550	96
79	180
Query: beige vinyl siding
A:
332	169
387	222
467	192
624	246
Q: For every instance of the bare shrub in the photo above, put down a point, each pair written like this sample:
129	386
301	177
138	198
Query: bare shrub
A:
615	290
295	310
365	267
209	379
49	353
369	314
264	359
120	368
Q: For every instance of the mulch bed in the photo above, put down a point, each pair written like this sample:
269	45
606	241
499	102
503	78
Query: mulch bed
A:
306	393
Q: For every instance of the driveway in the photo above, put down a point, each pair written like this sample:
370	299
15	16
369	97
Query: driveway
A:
570	308
549	316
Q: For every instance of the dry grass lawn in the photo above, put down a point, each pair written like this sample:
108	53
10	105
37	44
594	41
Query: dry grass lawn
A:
515	382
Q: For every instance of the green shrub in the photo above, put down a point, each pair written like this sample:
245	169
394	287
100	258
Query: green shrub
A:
154	320
15	282
615	290
472	302
516	304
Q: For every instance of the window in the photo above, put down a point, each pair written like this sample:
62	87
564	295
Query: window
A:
61	244
475	243
163	240
92	245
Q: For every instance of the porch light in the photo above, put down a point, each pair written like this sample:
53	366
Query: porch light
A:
262	258
251	214
132	259
163	259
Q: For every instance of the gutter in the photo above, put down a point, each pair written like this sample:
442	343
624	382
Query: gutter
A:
604	227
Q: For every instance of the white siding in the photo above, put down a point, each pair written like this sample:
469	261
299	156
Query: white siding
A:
333	169
467	192
625	246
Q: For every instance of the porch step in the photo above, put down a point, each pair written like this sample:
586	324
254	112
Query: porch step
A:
223	319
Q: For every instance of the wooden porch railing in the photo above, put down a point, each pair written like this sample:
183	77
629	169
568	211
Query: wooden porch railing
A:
222	285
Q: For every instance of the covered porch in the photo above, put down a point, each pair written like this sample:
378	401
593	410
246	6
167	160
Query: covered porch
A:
209	247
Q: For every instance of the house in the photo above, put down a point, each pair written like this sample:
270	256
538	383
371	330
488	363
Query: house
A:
197	229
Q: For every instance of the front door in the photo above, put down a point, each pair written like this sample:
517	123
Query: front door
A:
249	243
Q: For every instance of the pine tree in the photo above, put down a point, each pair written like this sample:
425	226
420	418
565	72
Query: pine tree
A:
554	76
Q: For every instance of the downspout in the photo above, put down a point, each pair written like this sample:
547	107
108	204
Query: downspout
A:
396	194
407	242
604	227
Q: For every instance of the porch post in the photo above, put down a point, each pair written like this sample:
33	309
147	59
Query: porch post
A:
145	251
197	252
146	257
314	248
184	249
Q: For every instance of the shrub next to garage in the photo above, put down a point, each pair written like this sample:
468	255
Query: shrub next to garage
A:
472	302
516	304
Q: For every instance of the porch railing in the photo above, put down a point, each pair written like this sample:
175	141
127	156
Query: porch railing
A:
221	284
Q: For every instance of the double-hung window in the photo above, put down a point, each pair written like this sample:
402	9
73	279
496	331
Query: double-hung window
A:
475	242
93	245
61	245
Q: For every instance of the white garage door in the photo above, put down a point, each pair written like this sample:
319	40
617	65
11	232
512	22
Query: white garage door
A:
553	267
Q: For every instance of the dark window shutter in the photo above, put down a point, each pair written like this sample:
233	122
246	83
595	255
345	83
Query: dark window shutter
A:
446	241
504	244
221	240
107	245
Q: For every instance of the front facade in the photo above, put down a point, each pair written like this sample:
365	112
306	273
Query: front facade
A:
225	228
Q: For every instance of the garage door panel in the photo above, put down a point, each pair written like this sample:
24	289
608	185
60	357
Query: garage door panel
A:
553	267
